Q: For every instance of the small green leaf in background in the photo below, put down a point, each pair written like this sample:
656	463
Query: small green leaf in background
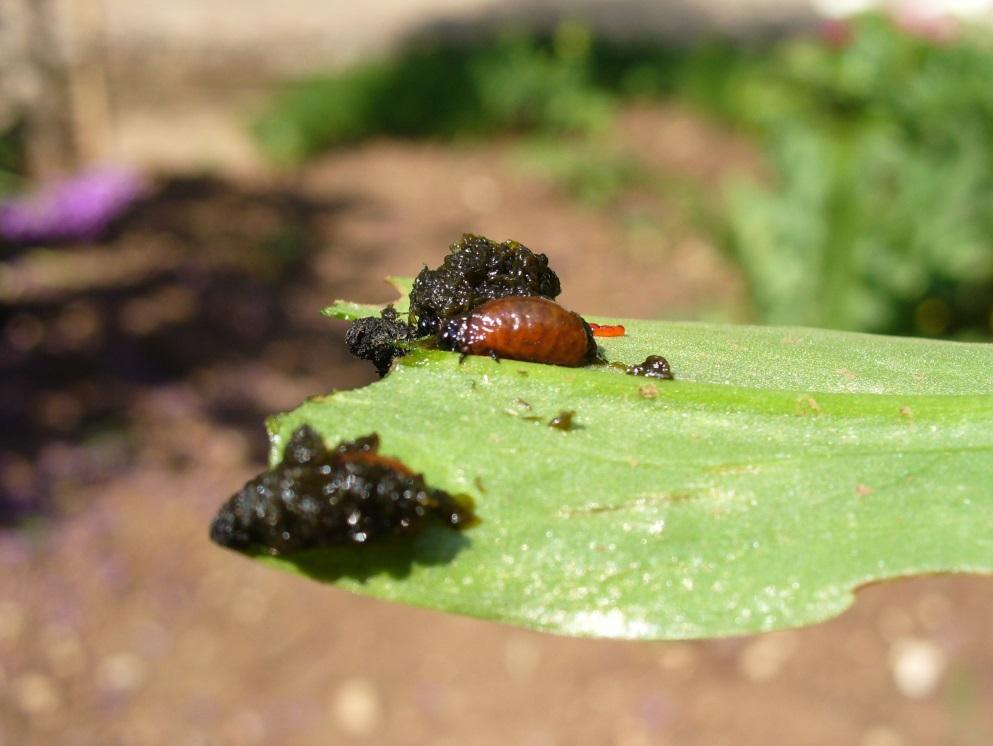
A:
346	310
783	469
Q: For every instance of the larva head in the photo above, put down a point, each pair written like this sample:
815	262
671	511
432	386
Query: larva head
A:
452	334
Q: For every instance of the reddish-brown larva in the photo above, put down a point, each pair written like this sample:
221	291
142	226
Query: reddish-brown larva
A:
529	328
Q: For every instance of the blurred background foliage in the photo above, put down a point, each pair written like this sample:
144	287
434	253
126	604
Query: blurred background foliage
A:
11	159
511	83
879	215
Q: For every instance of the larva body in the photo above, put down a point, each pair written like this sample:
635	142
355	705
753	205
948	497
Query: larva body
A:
528	328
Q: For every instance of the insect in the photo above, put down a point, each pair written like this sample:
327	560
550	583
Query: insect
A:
319	496
529	328
476	270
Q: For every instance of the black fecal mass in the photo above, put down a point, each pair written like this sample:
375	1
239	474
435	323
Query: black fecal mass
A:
654	366
320	497
478	270
375	339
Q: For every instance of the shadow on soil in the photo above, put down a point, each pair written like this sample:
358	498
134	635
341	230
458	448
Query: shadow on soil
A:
200	277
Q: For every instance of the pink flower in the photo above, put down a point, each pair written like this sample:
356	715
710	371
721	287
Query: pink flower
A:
78	209
917	19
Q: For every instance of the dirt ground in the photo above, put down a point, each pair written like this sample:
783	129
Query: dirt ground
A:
135	378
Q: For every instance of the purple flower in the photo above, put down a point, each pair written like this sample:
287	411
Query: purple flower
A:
78	209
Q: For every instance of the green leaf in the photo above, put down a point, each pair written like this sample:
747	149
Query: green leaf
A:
346	310
782	469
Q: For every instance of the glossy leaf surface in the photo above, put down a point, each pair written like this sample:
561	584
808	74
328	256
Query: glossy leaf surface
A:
780	471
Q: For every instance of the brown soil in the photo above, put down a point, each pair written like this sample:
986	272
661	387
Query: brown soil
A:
131	405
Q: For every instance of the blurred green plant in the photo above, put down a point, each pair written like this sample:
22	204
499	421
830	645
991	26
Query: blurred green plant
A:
881	217
11	160
589	172
511	83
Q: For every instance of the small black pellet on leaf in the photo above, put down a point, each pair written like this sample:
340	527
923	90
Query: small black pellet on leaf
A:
321	497
564	420
478	270
654	366
376	339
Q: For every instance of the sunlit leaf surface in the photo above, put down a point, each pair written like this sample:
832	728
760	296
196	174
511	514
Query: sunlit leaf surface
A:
780	471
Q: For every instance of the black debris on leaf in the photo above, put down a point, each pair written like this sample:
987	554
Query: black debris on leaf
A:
320	497
375	339
654	366
478	270
564	420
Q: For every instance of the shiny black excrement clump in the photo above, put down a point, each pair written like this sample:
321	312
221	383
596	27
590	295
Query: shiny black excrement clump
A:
478	270
654	366
377	339
321	497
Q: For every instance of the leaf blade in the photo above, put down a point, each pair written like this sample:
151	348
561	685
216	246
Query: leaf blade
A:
684	509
